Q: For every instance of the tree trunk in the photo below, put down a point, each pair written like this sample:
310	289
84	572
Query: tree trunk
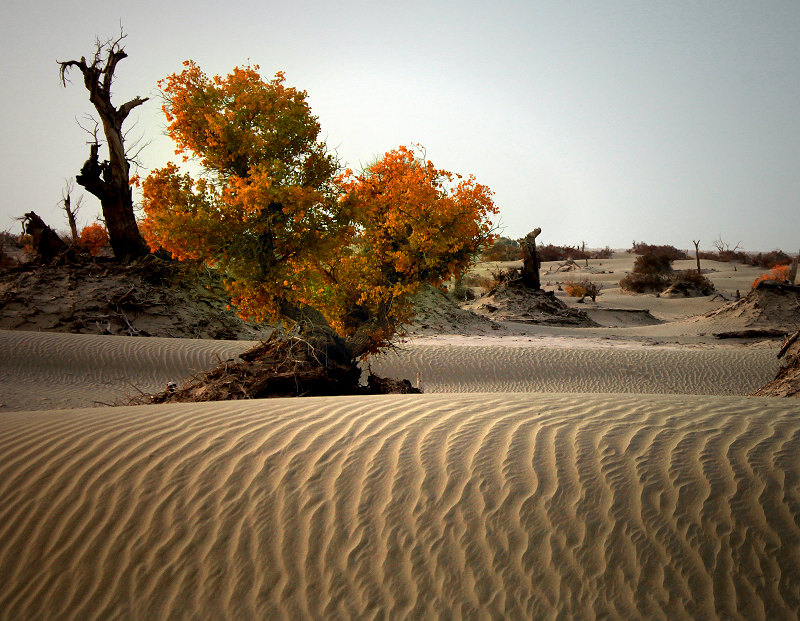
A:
530	260
110	180
697	254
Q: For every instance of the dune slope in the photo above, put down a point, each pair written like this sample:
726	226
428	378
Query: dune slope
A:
432	506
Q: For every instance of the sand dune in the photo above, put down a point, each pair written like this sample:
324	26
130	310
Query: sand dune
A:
550	368
46	370
502	506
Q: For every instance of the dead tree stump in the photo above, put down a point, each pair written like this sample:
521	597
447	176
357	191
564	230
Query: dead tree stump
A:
530	260
46	243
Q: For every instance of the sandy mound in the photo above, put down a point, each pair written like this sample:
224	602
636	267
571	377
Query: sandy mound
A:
787	381
510	301
435	312
409	507
102	296
769	305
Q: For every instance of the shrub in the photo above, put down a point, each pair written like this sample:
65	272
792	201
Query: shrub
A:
653	264
779	273
605	253
690	280
93	238
503	249
668	251
770	259
582	289
641	283
574	289
560	253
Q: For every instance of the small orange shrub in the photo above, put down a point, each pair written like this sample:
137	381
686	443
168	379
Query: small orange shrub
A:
574	289
582	289
779	273
93	238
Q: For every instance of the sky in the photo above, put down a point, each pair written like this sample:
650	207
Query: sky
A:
601	122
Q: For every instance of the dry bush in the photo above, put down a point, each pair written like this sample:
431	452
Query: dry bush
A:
642	283
605	253
560	253
690	280
769	260
93	239
582	289
651	272
668	251
503	249
779	273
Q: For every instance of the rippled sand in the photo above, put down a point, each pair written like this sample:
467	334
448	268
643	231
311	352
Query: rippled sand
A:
435	506
46	370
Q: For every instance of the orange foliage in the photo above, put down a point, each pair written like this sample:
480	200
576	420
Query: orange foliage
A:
93	238
271	214
574	289
779	273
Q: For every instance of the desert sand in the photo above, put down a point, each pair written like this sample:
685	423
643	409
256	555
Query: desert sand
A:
618	471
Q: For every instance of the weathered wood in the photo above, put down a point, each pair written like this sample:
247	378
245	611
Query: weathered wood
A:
530	260
752	333
109	180
46	242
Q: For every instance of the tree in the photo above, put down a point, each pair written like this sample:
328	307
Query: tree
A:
339	255
696	243
71	209
109	180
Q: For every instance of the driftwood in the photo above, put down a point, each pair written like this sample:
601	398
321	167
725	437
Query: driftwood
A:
752	333
789	342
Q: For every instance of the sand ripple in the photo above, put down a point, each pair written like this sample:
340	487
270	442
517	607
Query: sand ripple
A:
502	506
463	368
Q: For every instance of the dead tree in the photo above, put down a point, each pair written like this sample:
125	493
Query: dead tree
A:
793	269
71	210
697	254
109	180
46	243
530	260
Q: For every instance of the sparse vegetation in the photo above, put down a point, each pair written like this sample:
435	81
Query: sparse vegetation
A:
582	289
651	272
671	252
779	273
503	249
691	282
93	239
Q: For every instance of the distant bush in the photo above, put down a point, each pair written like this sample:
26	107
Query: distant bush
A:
93	238
689	281
779	273
561	253
605	253
651	272
643	283
503	249
667	251
769	260
653	264
582	289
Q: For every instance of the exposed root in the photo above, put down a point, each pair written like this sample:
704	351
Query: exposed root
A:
281	366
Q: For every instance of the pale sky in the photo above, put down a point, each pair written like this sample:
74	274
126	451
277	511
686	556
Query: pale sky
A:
602	121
